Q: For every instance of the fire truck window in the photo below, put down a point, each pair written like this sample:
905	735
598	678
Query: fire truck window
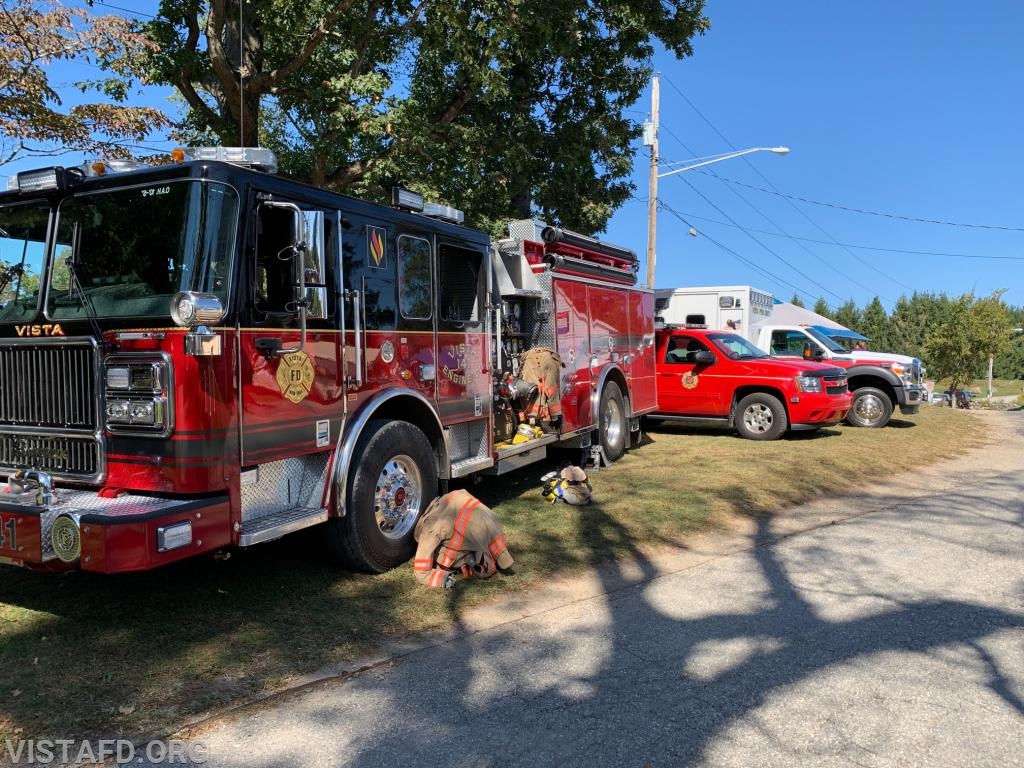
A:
459	282
273	287
414	277
22	246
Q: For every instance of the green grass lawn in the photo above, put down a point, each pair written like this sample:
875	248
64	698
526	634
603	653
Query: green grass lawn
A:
137	656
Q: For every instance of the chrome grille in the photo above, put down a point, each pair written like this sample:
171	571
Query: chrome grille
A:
57	455
48	384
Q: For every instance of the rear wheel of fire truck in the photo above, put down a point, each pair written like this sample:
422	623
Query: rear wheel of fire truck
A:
760	416
612	422
871	408
392	484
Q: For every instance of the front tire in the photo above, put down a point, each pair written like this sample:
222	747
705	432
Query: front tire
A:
612	422
760	416
394	480
871	408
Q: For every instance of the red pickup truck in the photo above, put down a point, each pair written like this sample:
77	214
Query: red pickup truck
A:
717	377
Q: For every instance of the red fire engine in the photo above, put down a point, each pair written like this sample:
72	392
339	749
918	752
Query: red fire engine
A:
205	355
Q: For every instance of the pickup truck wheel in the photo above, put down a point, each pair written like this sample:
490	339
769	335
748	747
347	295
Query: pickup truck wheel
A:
612	422
392	484
871	408
760	416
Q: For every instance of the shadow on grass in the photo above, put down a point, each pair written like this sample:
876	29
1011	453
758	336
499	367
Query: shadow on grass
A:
139	653
899	424
635	680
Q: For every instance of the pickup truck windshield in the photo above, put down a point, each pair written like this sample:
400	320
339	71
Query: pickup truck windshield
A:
133	249
826	342
22	250
736	347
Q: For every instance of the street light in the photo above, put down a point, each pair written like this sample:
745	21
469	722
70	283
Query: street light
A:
725	156
651	140
653	203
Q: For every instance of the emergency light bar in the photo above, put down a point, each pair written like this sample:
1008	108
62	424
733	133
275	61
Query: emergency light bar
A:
39	180
443	212
406	199
260	158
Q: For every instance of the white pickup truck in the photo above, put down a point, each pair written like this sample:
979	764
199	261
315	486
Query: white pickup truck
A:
879	381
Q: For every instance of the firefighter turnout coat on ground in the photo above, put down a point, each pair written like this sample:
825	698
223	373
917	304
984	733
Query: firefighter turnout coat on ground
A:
459	534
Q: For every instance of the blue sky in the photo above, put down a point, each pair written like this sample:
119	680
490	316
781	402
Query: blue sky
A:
908	109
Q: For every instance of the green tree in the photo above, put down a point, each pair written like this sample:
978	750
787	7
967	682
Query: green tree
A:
821	308
960	345
874	322
848	315
796	301
505	109
910	320
1010	364
36	34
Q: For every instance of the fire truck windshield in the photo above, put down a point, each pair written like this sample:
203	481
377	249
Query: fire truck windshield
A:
132	249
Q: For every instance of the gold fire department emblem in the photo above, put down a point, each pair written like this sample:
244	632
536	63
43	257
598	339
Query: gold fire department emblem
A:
295	376
690	380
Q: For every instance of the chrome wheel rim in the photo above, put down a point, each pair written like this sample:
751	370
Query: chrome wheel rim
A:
758	418
398	496
868	408
612	422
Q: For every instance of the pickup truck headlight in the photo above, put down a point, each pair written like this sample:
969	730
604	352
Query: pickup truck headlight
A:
808	384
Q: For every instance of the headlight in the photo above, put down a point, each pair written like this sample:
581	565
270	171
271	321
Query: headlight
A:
899	369
138	393
117	410
118	378
142	413
808	384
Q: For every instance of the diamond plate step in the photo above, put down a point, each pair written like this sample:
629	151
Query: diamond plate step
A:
277	524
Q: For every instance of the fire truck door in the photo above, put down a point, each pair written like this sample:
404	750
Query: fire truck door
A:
292	382
683	386
463	383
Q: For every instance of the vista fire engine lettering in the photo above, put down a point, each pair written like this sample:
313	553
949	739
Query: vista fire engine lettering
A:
204	355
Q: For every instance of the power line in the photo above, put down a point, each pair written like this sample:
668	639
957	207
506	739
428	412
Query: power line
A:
791	203
860	247
748	234
772	278
866	212
119	8
775	224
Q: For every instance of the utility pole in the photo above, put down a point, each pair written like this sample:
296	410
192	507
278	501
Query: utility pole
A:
651	140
